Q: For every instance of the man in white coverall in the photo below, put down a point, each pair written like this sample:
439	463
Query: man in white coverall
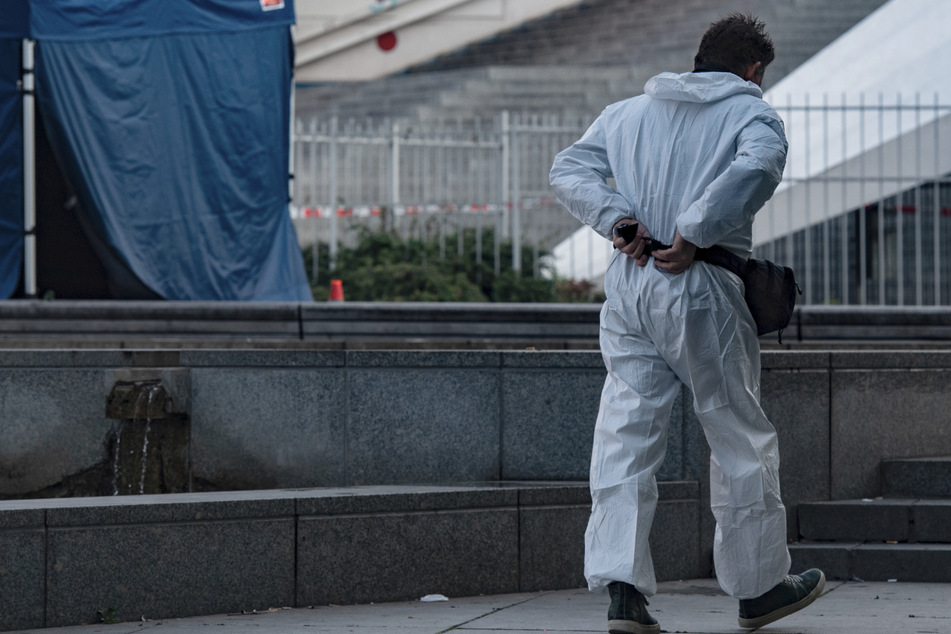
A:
693	160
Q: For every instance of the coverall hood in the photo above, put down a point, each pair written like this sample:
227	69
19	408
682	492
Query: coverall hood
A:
699	87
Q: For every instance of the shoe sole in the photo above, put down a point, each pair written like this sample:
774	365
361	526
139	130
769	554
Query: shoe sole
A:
775	615
632	627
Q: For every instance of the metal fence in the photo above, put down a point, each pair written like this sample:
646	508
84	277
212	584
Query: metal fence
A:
863	214
431	179
864	211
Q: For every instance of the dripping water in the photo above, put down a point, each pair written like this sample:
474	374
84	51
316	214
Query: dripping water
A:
115	461
145	397
145	437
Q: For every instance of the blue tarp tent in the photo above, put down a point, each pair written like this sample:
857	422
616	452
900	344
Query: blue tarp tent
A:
170	120
13	27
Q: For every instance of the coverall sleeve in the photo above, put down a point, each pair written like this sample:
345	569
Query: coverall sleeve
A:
579	179
731	200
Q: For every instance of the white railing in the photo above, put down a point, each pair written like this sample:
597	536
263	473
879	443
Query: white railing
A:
430	178
863	215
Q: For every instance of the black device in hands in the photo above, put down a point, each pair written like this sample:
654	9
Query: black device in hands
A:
626	232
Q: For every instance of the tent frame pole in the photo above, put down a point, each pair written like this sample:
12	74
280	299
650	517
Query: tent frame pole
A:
291	163
29	171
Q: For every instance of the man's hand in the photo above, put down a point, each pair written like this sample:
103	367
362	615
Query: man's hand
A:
677	258
635	248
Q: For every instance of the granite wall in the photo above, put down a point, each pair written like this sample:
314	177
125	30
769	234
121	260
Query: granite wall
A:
279	419
271	433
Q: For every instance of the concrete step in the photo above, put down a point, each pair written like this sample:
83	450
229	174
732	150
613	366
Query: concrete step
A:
320	546
877	520
856	561
568	73
485	113
920	477
516	102
487	90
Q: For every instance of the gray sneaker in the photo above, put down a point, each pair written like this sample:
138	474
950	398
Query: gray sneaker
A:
791	595
628	612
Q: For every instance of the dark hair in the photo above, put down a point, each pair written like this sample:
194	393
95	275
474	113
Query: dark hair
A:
733	43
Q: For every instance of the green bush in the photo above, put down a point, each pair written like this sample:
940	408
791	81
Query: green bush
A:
385	267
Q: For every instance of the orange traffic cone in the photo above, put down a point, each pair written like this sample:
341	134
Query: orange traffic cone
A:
336	290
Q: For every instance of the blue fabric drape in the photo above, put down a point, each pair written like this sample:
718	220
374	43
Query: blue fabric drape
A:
109	19
11	167
171	121
15	19
179	144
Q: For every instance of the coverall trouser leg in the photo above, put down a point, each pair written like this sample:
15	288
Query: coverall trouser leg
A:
650	347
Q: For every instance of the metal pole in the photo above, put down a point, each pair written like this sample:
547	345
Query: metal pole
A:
499	223
501	226
517	203
29	173
826	221
478	245
291	165
807	194
863	211
506	193
334	246
937	209
789	234
313	220
899	213
844	218
881	198
394	172
919	246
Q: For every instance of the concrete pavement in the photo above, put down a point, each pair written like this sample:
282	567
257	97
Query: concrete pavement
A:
695	606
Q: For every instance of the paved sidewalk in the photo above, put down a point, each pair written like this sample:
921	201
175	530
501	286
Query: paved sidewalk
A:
687	607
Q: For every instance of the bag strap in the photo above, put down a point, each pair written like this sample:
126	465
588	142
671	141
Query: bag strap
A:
719	256
715	255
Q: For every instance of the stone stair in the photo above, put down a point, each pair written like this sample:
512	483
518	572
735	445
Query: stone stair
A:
660	34
577	60
905	535
471	93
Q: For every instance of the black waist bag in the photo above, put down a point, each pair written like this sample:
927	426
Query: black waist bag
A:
770	288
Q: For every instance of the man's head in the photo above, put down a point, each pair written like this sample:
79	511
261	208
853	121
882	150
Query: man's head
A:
737	43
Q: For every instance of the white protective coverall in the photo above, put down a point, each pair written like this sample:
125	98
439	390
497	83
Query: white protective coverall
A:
699	153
